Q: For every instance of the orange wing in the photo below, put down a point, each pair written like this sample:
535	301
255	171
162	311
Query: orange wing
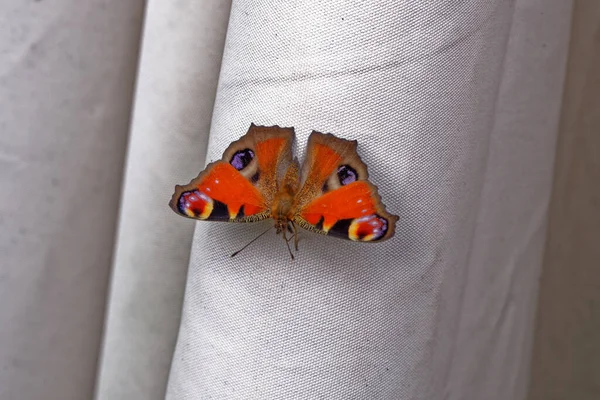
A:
241	186
336	197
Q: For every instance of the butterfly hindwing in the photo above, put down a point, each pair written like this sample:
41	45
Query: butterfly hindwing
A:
241	186
336	197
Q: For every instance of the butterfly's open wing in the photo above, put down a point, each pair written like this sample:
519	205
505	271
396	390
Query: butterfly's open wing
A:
240	187
336	197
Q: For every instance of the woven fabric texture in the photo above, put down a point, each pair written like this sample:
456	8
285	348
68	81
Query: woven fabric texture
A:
417	85
454	104
167	145
459	137
67	72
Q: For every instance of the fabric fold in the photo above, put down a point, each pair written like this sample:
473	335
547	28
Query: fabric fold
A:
66	83
417	85
178	74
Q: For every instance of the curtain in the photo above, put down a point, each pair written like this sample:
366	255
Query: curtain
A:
566	356
433	93
105	293
178	74
67	71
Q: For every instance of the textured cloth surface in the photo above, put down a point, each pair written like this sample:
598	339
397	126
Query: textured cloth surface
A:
494	322
566	357
465	165
454	104
66	83
179	68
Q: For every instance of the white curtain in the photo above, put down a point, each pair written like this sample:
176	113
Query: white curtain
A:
455	105
459	137
179	69
67	71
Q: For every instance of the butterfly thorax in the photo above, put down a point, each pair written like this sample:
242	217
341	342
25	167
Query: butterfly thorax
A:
282	211
283	207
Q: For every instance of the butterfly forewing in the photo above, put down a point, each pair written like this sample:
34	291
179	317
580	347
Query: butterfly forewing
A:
241	186
336	198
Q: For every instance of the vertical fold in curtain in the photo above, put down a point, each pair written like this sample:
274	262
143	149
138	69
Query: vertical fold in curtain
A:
179	67
566	357
66	84
491	345
458	133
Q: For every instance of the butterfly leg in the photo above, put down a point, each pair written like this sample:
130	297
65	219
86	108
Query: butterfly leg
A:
287	242
294	231
295	236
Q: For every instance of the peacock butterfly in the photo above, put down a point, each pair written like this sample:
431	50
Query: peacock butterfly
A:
258	178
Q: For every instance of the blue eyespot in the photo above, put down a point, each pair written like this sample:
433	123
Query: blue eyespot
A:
241	159
346	175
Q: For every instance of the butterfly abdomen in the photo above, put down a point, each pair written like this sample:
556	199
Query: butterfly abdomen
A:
283	206
284	202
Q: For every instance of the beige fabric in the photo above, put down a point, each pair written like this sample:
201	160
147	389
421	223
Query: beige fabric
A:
455	106
66	82
492	348
179	67
459	136
566	363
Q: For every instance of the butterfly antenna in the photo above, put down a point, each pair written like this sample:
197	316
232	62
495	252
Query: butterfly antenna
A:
252	241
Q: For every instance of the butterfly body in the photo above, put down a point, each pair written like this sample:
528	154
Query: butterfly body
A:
258	178
283	207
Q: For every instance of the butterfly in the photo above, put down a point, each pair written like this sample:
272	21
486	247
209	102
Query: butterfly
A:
258	178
